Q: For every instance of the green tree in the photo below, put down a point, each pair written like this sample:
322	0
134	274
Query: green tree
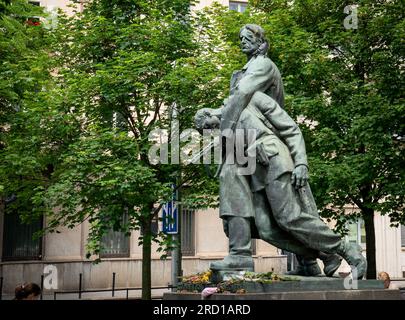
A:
20	41
79	151
16	45
114	59
22	53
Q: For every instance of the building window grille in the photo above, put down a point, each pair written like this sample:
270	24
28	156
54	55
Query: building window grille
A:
19	241
237	6
357	233
115	244
254	246
188	232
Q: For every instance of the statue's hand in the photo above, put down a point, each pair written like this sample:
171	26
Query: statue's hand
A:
299	176
212	122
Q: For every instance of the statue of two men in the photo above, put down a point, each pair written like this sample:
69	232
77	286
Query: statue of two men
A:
274	203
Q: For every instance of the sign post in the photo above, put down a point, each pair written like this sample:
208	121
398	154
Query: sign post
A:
171	225
172	211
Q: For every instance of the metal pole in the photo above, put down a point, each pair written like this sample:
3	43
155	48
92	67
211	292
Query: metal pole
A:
175	258
180	213
113	284
80	286
127	293
176	253
1	288
175	156
42	286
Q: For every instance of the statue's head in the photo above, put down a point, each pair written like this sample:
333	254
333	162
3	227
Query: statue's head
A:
205	120
252	40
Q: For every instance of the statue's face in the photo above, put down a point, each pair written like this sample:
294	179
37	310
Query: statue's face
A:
249	43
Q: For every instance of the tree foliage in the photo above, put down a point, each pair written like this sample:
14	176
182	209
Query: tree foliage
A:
77	149
23	57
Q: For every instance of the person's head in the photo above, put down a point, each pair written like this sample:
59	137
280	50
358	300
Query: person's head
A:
27	291
204	120
252	40
385	277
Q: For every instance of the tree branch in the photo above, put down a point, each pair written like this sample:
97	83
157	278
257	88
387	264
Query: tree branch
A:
357	201
158	104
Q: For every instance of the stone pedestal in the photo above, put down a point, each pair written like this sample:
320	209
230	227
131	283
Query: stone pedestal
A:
377	294
298	288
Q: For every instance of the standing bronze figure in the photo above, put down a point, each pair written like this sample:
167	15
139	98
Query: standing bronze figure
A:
274	203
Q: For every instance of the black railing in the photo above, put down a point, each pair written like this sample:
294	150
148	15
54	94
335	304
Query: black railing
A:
56	293
113	289
113	285
80	285
80	291
42	286
1	288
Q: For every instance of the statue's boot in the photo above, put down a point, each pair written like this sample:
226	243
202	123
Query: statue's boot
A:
352	254
331	262
233	263
306	267
309	267
240	247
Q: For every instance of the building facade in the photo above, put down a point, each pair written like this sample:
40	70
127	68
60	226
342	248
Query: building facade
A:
24	259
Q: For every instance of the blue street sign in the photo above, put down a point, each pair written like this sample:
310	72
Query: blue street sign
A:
170	218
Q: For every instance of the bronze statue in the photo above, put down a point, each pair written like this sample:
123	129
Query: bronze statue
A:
274	203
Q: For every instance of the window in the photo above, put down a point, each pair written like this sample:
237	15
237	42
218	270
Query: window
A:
292	262
115	244
34	21
155	224
357	232
402	235
187	232
237	6
18	239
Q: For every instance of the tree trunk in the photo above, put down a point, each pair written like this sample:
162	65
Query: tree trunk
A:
146	259
368	217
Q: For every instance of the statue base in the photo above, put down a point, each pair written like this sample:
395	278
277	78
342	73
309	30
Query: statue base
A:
240	285
293	283
370	294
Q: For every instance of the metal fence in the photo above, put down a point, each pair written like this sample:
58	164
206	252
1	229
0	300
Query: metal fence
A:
80	291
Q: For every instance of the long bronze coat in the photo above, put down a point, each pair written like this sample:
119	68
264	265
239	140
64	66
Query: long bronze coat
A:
276	132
